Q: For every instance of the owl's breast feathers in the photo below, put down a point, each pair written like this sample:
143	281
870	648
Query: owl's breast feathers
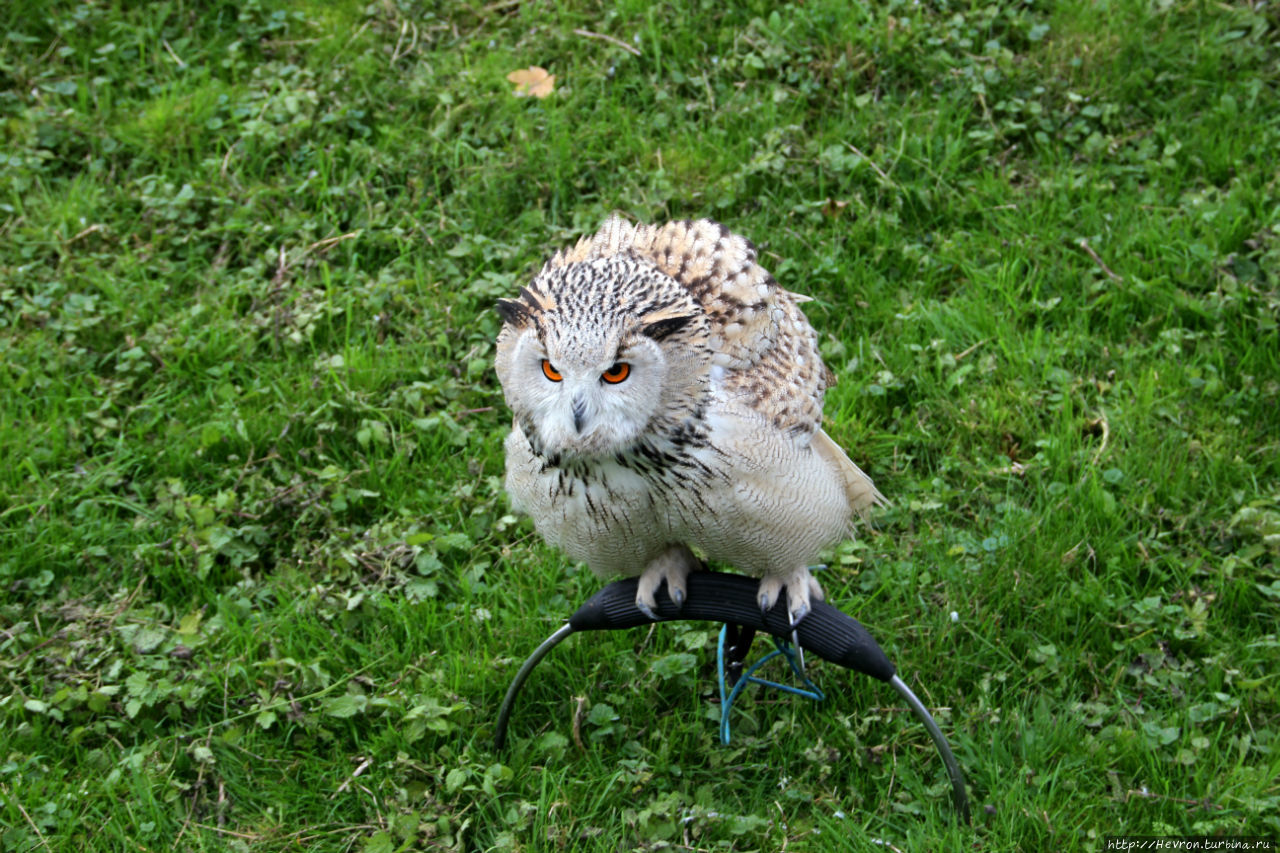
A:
611	511
671	457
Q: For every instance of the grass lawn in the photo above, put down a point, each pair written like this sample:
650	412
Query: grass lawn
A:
260	588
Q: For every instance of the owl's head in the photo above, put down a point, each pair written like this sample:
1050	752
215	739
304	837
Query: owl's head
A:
599	354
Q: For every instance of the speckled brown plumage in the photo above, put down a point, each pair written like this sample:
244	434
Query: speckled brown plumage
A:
758	332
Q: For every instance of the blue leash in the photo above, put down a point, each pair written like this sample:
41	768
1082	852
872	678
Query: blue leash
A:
748	677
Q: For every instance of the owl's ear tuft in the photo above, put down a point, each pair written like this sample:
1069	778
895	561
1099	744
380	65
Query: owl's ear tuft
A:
660	329
513	311
537	299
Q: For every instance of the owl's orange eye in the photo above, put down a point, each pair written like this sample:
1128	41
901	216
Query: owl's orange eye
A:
617	373
550	372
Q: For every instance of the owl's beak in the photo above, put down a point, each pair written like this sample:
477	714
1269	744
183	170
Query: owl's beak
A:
579	413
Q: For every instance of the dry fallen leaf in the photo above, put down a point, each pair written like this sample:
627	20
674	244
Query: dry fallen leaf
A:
834	207
533	81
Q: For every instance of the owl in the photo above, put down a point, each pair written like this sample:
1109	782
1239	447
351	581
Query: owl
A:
667	401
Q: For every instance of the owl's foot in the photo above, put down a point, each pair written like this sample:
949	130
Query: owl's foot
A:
672	566
801	587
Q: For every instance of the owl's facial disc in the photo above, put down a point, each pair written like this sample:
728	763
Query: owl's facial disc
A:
593	401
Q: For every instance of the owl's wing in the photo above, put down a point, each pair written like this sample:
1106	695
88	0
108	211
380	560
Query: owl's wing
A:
759	335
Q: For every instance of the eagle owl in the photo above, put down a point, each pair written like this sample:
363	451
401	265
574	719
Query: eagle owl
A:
667	395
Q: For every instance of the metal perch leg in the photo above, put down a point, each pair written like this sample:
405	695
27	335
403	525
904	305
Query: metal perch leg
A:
958	795
504	713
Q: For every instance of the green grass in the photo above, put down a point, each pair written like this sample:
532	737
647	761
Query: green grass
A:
259	587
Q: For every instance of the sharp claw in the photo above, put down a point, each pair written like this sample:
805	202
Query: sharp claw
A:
647	611
765	602
677	597
798	616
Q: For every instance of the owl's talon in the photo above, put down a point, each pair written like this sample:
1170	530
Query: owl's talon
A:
646	610
798	613
672	566
800	588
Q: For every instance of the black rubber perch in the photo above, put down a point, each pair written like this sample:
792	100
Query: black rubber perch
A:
722	597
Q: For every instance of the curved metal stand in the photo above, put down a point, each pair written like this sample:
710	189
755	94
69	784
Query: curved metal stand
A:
958	794
504	713
721	597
